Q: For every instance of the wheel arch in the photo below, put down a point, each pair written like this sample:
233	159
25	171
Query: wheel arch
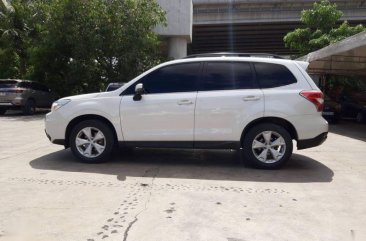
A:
81	118
274	120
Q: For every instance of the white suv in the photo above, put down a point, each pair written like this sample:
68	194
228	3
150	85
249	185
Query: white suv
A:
255	104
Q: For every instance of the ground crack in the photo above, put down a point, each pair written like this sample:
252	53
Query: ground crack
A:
125	235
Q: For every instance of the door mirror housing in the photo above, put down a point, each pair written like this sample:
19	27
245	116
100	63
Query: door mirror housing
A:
139	91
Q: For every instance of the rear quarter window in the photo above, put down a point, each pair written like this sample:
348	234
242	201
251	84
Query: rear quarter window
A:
8	84
273	75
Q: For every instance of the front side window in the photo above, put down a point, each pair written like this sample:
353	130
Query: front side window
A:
26	85
227	76
169	79
273	75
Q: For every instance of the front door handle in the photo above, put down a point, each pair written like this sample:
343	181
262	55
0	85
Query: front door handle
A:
251	98
185	102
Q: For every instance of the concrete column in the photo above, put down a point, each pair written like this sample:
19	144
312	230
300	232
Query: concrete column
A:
177	47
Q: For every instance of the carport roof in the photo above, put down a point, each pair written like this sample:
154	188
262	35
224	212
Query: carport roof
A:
347	57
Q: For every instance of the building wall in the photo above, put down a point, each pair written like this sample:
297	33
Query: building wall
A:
178	31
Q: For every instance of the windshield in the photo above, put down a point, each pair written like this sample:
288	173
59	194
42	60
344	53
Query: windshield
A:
8	83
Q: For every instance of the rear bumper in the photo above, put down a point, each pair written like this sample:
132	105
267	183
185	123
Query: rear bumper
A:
308	143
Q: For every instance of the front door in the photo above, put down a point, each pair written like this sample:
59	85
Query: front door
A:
165	113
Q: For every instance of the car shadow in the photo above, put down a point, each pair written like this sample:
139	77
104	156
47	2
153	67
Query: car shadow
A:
188	164
350	129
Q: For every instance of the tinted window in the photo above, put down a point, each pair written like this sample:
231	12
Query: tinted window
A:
273	75
26	85
228	76
170	79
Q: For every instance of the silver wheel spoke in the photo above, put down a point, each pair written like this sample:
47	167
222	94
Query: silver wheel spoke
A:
98	136
276	154
88	150
279	142
263	155
98	148
80	142
267	136
87	132
257	144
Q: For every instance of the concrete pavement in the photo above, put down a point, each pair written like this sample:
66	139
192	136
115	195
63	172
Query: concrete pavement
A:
164	195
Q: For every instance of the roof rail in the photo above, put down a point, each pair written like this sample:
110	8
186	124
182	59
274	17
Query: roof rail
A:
228	54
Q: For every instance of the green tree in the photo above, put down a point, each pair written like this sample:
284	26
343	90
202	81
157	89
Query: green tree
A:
78	46
320	29
15	38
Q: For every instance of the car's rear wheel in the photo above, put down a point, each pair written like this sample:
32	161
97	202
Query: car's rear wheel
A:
267	146
92	141
29	108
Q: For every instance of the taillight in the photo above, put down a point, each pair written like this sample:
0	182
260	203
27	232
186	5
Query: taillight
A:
314	96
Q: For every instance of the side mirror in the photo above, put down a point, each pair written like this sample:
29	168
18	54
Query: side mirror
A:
139	91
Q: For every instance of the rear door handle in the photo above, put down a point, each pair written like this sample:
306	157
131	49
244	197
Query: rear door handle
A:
251	98
185	102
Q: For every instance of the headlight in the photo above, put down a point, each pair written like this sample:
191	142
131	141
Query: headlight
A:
58	104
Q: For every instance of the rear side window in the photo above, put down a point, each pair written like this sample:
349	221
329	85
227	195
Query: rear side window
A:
39	87
8	84
26	85
227	76
273	75
170	79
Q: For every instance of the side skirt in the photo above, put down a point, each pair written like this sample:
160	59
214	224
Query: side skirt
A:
183	144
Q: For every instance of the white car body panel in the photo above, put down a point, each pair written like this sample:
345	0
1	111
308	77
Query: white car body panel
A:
158	117
91	104
222	115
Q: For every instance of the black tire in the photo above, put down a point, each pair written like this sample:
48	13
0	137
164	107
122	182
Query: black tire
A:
360	118
2	111
108	141
255	133
29	108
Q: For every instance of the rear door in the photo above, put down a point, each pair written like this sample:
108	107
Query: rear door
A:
228	98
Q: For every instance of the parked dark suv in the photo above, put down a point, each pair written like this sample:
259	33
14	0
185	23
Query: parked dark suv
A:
354	106
24	95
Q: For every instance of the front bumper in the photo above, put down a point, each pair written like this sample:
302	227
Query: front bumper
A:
55	141
55	128
308	143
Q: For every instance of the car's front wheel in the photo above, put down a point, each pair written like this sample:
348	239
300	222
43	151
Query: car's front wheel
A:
2	111
92	141
267	146
360	118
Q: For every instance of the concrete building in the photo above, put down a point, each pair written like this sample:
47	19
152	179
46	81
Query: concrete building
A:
178	31
242	25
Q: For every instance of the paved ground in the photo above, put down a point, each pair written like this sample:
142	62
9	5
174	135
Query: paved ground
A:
179	195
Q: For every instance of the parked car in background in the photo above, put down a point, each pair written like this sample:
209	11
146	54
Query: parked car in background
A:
354	106
114	86
332	110
24	95
255	105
